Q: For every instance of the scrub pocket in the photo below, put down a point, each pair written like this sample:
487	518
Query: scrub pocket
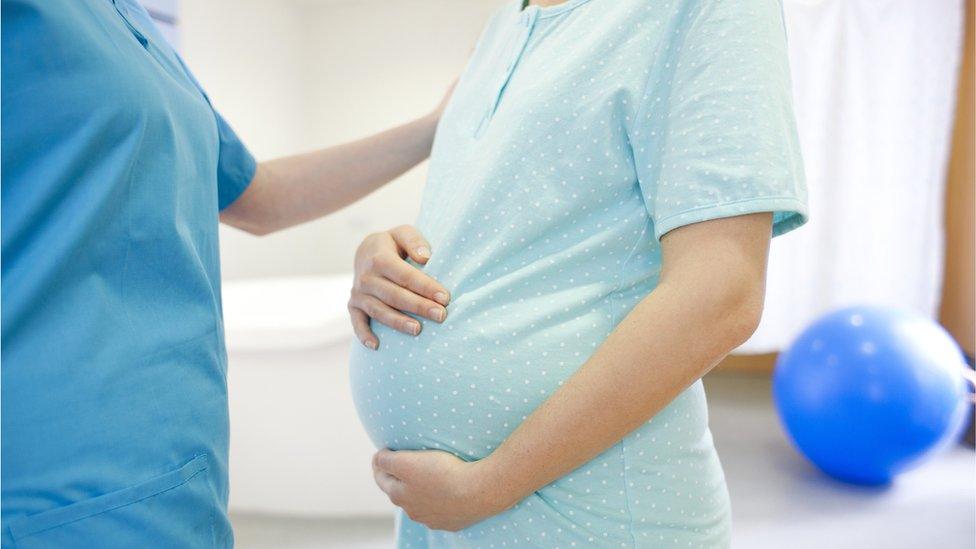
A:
172	510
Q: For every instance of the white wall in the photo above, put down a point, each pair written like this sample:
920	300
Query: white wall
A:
293	75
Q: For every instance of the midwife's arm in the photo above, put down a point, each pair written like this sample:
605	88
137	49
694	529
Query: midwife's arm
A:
295	189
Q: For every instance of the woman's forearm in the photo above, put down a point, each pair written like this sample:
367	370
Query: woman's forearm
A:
707	304
295	189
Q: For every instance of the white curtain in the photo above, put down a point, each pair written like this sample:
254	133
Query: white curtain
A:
874	85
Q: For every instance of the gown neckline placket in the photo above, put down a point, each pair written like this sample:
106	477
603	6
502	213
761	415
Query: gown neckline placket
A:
526	23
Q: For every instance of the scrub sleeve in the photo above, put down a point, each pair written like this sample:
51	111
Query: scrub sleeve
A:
235	163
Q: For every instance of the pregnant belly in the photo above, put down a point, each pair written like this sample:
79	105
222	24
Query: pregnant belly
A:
464	386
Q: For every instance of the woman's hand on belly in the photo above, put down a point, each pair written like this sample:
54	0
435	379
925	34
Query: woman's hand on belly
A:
708	301
385	286
438	489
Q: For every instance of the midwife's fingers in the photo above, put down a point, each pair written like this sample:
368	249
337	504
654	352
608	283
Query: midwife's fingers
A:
411	278
409	239
360	325
404	300
384	314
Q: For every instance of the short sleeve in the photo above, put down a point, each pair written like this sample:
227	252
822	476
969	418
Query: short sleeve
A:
235	163
715	134
235	166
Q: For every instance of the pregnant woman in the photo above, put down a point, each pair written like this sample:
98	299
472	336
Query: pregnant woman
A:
603	187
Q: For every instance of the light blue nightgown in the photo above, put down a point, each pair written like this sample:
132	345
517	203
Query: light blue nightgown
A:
577	136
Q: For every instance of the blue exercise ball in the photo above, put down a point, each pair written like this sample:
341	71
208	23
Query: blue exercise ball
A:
867	392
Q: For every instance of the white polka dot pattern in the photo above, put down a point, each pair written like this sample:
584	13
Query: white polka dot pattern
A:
576	137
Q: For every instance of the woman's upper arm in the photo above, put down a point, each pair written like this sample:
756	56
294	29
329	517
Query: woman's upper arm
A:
743	236
720	263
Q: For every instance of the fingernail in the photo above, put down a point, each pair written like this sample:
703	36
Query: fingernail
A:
441	298
370	344
423	252
413	328
437	313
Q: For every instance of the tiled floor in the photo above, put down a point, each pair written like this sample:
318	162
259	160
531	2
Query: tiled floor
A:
779	501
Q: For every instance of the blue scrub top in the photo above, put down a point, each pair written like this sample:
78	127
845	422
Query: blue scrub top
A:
114	166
